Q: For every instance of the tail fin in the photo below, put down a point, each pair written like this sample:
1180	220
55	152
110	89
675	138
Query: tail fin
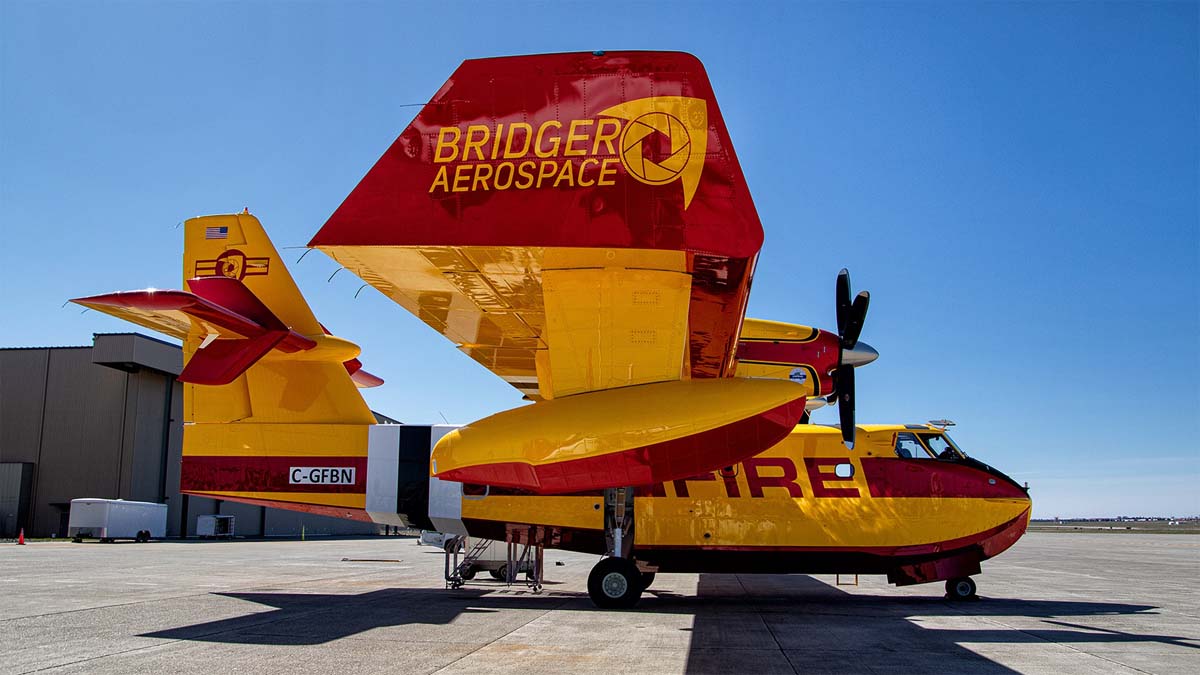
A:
236	247
273	415
253	350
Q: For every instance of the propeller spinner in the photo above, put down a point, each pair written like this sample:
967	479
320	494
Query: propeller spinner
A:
850	316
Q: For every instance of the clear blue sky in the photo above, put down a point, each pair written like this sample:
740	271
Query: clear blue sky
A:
1016	183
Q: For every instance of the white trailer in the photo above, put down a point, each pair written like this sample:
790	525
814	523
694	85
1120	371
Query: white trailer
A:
108	519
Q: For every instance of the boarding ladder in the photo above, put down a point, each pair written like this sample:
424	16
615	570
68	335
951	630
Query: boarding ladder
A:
459	572
524	547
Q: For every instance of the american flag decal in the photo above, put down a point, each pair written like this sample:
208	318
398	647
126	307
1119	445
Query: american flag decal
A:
216	232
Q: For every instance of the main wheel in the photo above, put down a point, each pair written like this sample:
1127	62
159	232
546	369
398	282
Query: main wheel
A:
962	588
615	583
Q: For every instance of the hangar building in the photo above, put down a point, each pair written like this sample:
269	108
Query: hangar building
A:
106	421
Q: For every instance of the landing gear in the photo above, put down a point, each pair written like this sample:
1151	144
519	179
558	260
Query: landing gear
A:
961	588
615	583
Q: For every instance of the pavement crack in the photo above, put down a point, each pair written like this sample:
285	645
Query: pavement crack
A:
770	631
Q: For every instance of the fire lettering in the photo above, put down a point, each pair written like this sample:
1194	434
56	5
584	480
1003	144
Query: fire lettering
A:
820	470
769	472
755	481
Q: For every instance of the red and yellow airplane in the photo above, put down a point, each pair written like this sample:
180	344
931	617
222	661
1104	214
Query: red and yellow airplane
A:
579	225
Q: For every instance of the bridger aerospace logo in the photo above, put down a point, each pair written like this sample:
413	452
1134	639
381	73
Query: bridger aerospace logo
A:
657	140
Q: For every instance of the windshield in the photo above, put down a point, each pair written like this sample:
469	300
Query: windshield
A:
908	447
942	446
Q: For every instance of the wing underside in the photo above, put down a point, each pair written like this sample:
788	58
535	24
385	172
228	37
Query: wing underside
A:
550	321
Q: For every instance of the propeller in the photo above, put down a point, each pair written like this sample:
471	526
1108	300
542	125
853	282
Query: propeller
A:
850	316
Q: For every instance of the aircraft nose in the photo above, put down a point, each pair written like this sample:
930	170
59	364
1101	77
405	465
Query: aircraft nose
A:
861	355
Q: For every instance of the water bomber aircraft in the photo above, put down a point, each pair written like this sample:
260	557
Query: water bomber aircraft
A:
579	225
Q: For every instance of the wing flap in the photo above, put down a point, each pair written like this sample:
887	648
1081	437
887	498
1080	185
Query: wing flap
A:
613	327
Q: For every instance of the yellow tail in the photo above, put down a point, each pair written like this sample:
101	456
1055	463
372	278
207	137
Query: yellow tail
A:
271	405
304	386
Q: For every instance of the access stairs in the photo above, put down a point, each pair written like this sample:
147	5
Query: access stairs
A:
524	552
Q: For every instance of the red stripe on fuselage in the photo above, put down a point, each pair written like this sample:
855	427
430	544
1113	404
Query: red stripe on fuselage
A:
896	477
265	474
316	509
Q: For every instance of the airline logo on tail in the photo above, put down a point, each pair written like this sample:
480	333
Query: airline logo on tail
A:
233	264
656	140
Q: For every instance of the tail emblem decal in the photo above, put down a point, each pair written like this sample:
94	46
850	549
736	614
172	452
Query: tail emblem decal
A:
233	264
665	139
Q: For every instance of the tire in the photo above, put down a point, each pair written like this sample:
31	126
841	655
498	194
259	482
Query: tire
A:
961	588
467	574
500	574
647	579
615	583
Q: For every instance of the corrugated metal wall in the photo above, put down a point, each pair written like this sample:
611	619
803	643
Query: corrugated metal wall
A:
105	422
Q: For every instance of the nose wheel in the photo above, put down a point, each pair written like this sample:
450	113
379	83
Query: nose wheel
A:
962	588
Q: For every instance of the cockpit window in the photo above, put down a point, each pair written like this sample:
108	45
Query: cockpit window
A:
908	447
942	446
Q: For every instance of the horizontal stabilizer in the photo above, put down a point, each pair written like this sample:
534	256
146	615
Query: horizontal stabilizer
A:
175	313
236	327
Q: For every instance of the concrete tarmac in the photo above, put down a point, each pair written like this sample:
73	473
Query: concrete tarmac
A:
1055	603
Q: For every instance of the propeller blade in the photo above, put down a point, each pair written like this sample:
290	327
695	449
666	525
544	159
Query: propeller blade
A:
845	393
842	300
854	324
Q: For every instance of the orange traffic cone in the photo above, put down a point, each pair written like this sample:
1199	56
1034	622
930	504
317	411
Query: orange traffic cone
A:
21	537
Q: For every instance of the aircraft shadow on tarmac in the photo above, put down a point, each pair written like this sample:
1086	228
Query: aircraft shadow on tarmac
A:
791	617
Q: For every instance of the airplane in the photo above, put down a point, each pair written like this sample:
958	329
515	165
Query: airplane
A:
579	225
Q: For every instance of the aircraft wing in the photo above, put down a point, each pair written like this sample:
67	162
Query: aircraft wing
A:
573	222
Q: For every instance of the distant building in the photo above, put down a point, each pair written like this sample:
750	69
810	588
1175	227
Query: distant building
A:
106	421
